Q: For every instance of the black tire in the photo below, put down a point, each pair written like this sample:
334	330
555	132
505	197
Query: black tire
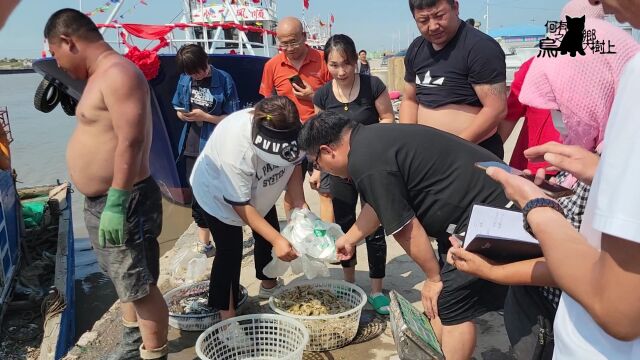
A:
68	104
47	96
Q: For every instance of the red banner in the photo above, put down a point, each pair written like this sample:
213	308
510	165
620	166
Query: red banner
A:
161	28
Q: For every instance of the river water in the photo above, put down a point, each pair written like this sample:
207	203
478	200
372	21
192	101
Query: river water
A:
38	157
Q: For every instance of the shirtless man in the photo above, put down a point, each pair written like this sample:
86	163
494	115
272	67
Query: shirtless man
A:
455	76
108	160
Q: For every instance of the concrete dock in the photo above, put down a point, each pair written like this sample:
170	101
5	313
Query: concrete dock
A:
375	339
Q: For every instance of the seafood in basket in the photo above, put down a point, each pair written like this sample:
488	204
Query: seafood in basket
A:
308	301
329	309
188	309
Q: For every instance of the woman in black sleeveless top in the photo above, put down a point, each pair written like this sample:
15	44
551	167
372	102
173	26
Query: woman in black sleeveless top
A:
365	99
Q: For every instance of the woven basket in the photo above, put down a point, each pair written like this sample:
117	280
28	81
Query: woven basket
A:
328	332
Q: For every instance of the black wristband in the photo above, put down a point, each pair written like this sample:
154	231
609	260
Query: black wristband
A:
536	203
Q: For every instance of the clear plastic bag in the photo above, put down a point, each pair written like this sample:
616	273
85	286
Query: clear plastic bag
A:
197	269
188	265
315	242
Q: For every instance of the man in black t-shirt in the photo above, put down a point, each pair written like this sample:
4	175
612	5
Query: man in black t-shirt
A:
454	76
416	181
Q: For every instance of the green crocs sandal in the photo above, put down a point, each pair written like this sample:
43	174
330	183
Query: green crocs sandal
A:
380	303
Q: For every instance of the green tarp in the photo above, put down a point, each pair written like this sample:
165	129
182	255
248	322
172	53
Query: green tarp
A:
33	212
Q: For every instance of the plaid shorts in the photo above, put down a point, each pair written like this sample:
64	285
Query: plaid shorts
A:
573	207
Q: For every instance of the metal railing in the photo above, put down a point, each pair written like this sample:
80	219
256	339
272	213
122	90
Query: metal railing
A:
211	45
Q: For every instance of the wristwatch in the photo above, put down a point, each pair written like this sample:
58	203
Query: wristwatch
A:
536	203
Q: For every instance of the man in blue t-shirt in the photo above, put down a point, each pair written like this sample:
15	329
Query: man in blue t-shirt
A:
455	76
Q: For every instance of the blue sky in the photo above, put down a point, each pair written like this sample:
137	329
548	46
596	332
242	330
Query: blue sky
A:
373	24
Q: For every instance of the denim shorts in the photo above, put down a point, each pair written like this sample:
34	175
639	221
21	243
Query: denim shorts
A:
134	266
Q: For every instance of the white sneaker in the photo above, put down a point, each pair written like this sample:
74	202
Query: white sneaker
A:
266	293
209	250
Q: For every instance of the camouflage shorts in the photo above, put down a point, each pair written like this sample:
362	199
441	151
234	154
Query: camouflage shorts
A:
135	265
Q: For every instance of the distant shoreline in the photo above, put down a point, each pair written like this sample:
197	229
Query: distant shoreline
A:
16	71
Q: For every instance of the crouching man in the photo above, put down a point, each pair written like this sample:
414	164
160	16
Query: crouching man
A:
416	181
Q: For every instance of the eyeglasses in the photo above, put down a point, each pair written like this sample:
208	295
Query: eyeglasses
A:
290	45
316	165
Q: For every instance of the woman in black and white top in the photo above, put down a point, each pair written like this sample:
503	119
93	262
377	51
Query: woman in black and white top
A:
365	99
247	163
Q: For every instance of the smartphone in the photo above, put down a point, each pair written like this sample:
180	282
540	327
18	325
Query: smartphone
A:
295	79
553	190
182	110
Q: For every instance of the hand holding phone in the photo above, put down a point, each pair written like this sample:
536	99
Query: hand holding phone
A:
553	190
180	109
296	79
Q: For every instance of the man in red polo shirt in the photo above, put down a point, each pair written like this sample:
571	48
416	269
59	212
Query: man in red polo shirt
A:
295	58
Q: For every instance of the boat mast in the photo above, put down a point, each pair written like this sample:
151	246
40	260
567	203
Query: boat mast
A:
186	18
112	15
487	18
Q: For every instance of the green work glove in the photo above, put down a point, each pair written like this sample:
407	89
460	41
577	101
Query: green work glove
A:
113	218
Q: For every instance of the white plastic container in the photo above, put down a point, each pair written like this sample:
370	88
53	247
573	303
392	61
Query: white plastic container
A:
257	336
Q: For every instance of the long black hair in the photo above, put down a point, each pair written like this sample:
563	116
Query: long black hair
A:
344	44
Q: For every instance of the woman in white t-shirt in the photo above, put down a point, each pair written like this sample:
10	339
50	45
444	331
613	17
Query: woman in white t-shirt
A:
247	163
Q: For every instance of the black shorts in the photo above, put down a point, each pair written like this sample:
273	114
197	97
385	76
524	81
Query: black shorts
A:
494	144
135	265
465	297
528	318
198	214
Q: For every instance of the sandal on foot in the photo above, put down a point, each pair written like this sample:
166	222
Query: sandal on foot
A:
380	303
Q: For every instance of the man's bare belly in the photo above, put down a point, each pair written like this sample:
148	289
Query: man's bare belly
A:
453	119
90	160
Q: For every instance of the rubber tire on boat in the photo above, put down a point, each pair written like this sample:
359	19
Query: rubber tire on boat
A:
47	96
68	104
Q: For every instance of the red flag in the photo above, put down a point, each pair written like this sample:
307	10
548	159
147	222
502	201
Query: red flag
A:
256	1
333	19
306	4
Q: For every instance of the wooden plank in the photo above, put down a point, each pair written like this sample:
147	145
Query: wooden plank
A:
53	325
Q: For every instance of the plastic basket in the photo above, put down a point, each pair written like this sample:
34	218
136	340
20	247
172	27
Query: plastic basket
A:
257	336
328	332
197	322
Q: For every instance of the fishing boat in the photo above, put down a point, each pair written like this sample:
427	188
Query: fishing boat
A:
36	263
